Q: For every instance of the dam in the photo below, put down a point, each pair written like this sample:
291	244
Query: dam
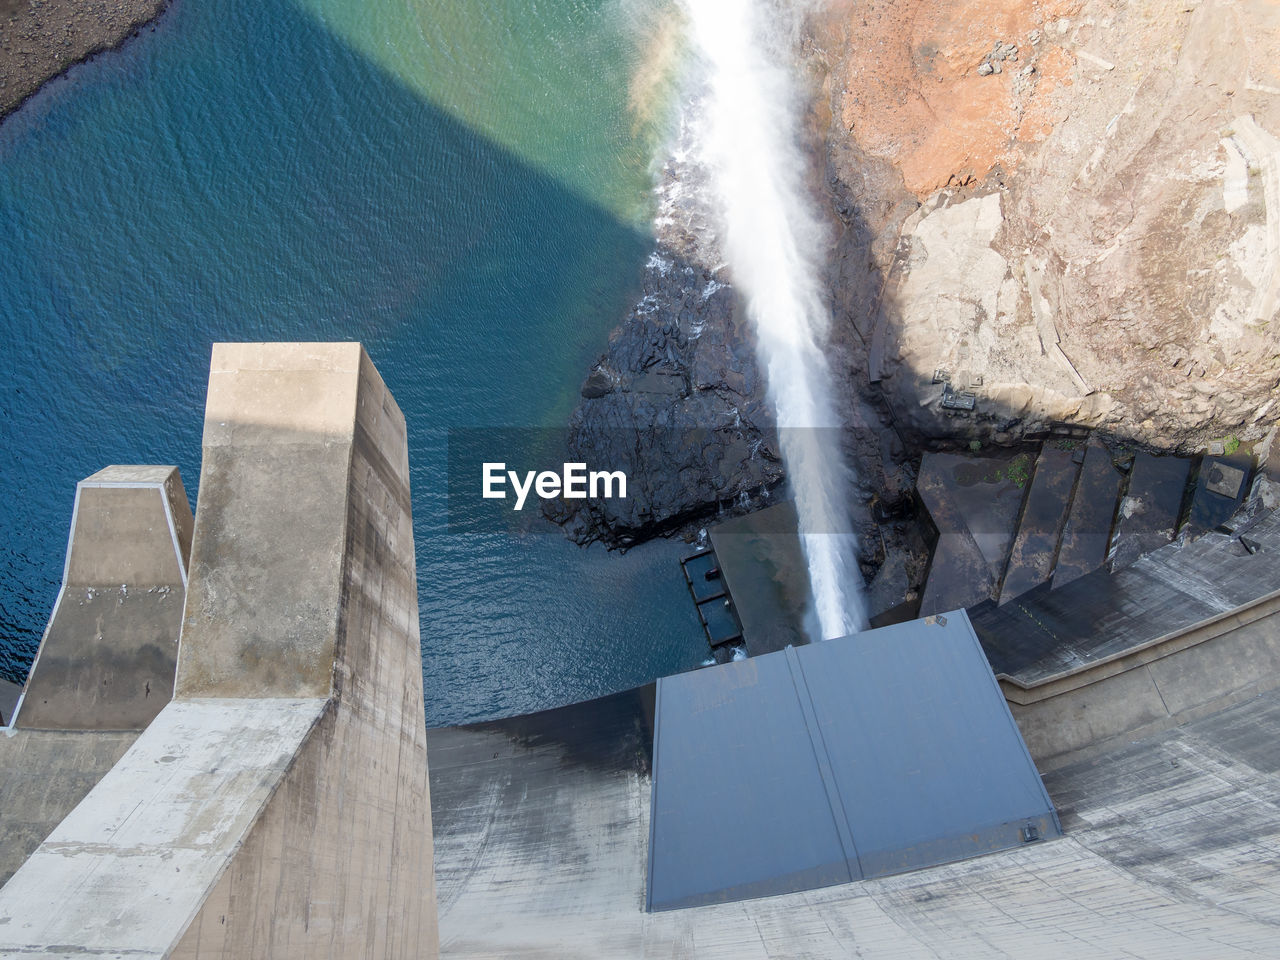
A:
221	750
308	716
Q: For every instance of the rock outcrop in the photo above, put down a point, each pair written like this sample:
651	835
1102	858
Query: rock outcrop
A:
1098	235
40	39
678	405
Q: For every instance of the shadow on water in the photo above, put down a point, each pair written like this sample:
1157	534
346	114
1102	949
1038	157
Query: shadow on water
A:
239	173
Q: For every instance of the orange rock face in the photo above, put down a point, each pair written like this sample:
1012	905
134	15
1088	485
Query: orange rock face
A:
916	91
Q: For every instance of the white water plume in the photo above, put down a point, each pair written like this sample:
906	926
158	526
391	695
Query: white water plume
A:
773	243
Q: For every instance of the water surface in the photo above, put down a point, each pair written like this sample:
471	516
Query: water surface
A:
466	197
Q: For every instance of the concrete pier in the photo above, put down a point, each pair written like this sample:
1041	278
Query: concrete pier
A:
304	584
278	806
106	664
106	661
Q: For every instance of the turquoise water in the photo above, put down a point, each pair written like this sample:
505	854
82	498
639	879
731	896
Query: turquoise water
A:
316	170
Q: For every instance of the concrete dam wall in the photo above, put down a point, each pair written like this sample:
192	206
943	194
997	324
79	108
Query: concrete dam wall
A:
268	795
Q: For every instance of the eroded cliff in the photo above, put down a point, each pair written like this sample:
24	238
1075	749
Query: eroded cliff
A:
1068	209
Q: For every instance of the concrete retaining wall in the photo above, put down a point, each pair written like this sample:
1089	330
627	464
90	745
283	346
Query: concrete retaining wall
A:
1173	679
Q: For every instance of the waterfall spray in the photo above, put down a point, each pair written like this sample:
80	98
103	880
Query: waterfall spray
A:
772	241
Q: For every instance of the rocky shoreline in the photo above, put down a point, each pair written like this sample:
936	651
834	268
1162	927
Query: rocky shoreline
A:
678	397
42	39
1087	243
677	403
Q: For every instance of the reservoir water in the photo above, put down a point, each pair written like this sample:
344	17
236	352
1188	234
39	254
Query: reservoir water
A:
463	187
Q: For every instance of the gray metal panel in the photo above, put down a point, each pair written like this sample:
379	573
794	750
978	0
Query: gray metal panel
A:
739	806
763	566
874	754
926	757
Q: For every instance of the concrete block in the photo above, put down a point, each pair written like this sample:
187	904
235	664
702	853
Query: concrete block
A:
974	503
304	582
1149	513
108	656
1084	542
1035	547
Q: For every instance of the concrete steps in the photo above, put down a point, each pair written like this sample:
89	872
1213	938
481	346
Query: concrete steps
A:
1088	530
1150	512
1008	525
974	503
1044	516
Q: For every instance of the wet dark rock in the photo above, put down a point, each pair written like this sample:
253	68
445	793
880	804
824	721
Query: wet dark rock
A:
677	403
597	385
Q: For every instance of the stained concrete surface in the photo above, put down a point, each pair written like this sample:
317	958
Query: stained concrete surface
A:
1087	533
126	870
108	655
265	564
974	503
133	523
1221	486
9	694
43	775
1047	632
1044	514
1177	679
339	863
107	661
1149	513
1169	853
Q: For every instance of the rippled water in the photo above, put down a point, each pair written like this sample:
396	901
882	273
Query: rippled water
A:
465	191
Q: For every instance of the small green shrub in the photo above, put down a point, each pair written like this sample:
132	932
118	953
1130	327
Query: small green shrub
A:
1019	470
